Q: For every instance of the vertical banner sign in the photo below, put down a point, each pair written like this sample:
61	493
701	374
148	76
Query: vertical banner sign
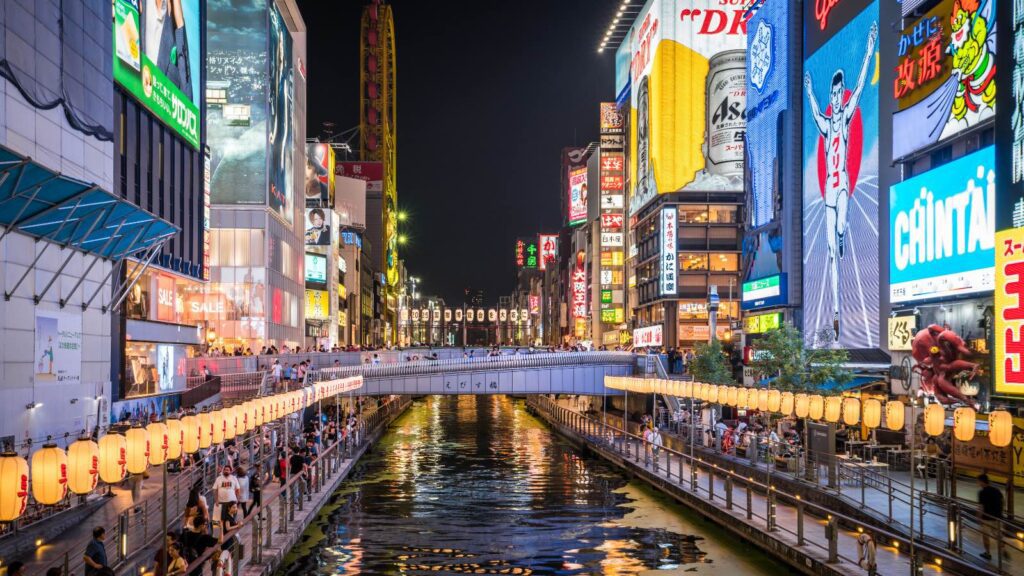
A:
1009	301
527	254
669	223
520	254
548	250
207	175
1010	122
577	195
282	104
840	175
579	292
58	347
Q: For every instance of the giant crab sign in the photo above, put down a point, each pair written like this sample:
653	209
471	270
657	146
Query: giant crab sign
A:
940	354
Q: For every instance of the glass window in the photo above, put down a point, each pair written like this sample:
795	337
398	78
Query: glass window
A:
722	214
693	214
724	262
690	261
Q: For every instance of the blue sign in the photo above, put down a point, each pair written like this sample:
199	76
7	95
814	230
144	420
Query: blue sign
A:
350	238
942	226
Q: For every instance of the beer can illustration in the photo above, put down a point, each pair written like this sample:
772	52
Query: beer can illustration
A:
726	99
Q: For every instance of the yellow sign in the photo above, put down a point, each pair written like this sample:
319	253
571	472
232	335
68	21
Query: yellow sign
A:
342	292
901	332
318	305
581	327
762	323
1009	296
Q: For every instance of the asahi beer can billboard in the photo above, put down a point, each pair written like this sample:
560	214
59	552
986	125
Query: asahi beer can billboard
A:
688	98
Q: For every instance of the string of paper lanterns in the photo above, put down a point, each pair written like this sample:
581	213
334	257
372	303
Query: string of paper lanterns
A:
851	411
54	471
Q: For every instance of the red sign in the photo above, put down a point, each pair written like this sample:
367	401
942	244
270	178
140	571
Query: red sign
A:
520	253
612	222
548	250
612	162
371	172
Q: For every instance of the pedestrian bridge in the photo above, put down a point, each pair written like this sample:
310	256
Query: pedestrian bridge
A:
537	373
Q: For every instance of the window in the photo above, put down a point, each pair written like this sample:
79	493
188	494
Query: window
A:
724	263
690	262
722	214
693	214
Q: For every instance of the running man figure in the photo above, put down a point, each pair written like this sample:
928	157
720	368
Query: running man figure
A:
835	128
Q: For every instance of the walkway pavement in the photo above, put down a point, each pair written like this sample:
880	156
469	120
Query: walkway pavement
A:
890	559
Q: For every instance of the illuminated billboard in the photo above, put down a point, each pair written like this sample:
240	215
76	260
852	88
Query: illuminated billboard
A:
764	292
687	98
771	139
318	304
157	52
316	268
945	74
236	118
318	228
840	177
282	131
668	246
942	230
527	254
319	173
1009	317
548	250
577	195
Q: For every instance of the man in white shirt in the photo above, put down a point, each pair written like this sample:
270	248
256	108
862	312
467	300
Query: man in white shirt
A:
228	491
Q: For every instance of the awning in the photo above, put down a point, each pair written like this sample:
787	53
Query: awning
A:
855	383
43	204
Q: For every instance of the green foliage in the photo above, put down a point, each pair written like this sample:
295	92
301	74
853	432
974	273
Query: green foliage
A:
710	364
781	353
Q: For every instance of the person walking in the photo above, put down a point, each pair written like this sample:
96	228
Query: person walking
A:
244	492
228	491
990	500
275	371
656	443
95	555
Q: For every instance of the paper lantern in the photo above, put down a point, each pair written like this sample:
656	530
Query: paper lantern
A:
934	419
1000	428
49	474
801	405
158	443
230	422
713	392
786	404
871	413
190	434
13	486
833	408
963	423
175	438
205	430
894	414
751	401
259	411
687	390
249	416
113	458
774	400
138	450
851	411
762	400
220	422
734	396
83	466
816	407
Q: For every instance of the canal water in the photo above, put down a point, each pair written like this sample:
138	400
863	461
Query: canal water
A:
475	485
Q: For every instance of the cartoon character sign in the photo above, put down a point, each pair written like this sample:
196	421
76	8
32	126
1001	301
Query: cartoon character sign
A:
940	354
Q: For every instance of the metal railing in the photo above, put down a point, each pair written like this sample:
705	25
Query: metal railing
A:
686	470
513	362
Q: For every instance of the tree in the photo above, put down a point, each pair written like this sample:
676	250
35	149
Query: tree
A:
781	353
710	364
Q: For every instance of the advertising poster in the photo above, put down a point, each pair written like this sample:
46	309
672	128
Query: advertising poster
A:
319	174
350	202
768	149
282	131
577	195
318	228
165	367
316	268
901	330
58	347
370	172
946	74
157	52
611	119
687	98
942	230
318	305
236	104
548	250
649	336
1009	317
840	179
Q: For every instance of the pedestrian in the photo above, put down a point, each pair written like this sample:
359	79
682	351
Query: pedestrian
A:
95	555
991	501
228	491
297	468
244	493
276	373
229	523
256	489
656	443
177	565
196	504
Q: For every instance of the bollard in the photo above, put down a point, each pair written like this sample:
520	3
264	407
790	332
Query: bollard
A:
889	481
799	522
953	528
257	531
269	538
711	483
122	528
750	501
728	492
832	534
771	509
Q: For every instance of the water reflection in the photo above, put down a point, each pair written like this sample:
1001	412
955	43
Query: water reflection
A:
475	485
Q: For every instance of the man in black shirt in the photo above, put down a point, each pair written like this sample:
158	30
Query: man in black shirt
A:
297	467
991	501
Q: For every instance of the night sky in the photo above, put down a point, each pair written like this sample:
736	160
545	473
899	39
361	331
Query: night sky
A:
488	94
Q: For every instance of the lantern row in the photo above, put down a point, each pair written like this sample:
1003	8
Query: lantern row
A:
851	411
85	463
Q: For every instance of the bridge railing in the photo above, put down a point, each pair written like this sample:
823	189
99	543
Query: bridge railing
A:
489	363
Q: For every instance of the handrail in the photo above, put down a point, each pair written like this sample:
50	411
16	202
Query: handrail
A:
697	463
487	363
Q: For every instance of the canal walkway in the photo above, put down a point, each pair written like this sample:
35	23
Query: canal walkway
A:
808	536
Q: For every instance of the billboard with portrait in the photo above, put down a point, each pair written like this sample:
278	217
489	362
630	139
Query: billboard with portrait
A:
840	177
769	140
687	98
318	227
319	174
577	195
941	227
282	108
236	102
157	53
945	74
58	347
